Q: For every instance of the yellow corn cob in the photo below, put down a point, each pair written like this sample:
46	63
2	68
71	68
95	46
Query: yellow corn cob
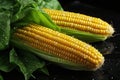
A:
60	45
80	22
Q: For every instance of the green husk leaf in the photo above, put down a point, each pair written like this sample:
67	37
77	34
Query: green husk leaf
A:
27	62
84	36
38	17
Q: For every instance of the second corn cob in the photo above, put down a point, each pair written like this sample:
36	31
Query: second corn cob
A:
82	26
58	48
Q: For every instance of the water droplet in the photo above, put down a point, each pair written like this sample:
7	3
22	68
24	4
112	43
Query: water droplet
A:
111	78
54	78
93	79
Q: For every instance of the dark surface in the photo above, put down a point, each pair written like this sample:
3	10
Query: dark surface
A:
110	48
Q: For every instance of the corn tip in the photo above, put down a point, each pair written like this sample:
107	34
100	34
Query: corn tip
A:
111	29
100	64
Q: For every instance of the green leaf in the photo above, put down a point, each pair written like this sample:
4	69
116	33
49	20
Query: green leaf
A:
38	17
27	62
4	29
20	8
6	4
52	4
1	78
5	65
44	70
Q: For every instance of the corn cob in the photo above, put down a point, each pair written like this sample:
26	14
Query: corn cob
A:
58	47
83	23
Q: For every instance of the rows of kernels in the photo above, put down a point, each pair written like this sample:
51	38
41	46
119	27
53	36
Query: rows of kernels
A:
83	28
79	21
33	40
68	38
90	19
76	16
60	40
44	46
57	51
